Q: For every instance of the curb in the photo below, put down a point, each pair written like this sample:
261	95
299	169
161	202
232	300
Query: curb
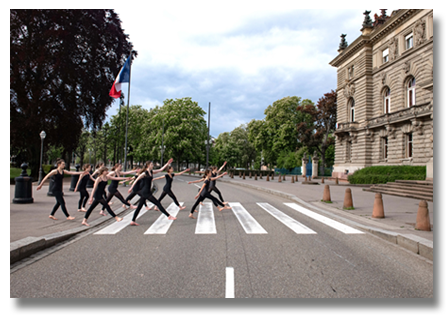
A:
413	243
23	248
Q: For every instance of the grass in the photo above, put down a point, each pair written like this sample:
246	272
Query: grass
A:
15	172
349	208
326	201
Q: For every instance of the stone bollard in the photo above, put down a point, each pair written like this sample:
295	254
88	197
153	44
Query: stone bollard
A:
323	181
267	178
337	180
261	176
296	179
244	175
327	196
255	177
292	179
75	179
232	175
348	200
423	221
279	178
378	207
23	192
284	177
250	174
239	174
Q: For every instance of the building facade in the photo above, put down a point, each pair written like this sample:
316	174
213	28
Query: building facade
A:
385	93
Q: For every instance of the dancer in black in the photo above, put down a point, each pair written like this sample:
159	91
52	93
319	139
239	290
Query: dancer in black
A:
204	193
81	187
113	191
167	188
215	172
137	188
97	193
97	169
146	192
58	176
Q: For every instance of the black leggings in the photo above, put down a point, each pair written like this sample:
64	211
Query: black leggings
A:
132	195
216	190
170	194
215	201
59	202
118	195
105	206
153	200
83	197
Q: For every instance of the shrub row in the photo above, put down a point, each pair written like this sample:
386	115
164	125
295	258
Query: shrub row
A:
384	174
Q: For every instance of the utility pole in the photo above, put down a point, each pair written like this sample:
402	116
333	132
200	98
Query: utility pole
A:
208	135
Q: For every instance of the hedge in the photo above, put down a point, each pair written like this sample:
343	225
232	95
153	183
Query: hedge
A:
384	174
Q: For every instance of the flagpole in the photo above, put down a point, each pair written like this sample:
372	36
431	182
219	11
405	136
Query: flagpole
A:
127	113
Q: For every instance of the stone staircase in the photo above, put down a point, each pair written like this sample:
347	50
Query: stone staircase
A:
422	190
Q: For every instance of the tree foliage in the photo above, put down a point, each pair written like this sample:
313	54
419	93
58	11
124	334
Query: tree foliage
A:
62	65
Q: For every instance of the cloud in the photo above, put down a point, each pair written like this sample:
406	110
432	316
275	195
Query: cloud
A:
241	60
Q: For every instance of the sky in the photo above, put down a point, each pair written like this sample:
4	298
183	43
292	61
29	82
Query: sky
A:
241	61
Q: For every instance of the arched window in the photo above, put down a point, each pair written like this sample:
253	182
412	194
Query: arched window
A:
351	110
386	101
410	92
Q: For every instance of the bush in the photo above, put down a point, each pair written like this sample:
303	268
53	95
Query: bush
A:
384	174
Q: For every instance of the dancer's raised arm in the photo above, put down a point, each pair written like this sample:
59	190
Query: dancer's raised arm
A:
202	179
164	167
217	177
177	174
54	171
225	162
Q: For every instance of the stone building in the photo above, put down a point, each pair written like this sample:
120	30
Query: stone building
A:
385	93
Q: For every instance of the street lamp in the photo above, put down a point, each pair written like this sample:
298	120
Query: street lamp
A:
162	149
42	137
89	156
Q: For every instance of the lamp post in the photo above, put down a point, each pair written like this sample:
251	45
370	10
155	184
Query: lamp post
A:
42	137
90	162
162	149
208	135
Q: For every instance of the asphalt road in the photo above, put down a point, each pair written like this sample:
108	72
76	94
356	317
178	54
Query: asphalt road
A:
322	262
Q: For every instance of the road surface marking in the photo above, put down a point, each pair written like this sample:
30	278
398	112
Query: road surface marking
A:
325	220
249	224
162	224
118	226
206	220
230	283
294	225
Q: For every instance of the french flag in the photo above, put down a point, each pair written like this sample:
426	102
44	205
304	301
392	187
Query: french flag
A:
123	77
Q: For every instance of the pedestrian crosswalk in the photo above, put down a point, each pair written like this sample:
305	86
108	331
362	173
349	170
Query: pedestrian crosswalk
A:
205	222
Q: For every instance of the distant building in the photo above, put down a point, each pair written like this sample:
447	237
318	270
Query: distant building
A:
385	93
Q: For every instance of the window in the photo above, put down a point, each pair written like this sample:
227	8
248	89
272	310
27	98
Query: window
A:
384	148
408	145
351	117
411	92
387	101
409	39
386	55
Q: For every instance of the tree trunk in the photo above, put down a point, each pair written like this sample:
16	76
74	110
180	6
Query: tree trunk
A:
322	168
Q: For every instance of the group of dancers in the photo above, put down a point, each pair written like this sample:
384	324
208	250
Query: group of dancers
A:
141	184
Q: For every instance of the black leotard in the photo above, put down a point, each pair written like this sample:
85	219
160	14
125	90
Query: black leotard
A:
100	189
113	185
169	180
57	181
146	184
83	183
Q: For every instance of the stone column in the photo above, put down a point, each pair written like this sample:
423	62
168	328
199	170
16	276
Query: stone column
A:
315	166
304	163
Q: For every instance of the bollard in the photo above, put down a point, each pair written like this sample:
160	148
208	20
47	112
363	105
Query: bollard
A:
23	192
250	174
423	222
296	179
327	196
292	179
261	176
284	177
323	181
244	175
267	178
378	207
279	178
239	174
348	200
232	175
75	179
337	180
255	177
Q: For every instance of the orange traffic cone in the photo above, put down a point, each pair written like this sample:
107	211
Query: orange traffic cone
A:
348	200
378	208
327	196
423	222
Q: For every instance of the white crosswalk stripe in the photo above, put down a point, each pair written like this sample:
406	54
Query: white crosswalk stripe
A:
325	220
162	224
249	224
294	225
118	226
206	220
